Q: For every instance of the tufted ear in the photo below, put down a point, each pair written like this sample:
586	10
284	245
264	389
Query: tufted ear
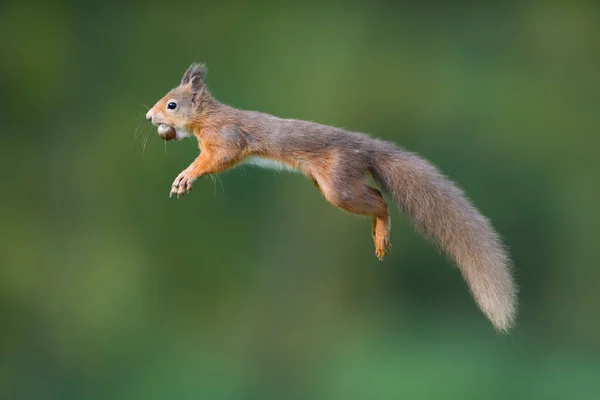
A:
195	75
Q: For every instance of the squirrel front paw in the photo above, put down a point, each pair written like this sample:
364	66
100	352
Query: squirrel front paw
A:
183	183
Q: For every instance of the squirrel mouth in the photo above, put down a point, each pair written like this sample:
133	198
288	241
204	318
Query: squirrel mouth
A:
166	132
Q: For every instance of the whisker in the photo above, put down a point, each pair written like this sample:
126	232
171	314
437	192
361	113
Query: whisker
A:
146	130
145	143
141	131
221	182
143	105
135	133
212	177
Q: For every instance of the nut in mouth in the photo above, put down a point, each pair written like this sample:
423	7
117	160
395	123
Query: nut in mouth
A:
166	132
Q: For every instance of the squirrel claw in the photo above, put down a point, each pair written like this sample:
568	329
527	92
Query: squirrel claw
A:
182	185
382	248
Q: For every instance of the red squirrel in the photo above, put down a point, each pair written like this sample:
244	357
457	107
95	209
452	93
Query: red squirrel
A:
338	161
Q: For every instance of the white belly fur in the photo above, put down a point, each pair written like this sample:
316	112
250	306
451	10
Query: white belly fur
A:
268	164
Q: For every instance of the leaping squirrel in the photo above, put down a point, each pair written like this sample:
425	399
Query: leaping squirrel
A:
338	161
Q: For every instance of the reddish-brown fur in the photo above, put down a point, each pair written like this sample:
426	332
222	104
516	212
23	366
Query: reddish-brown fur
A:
338	162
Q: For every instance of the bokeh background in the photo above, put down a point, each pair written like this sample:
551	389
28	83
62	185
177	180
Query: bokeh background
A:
254	287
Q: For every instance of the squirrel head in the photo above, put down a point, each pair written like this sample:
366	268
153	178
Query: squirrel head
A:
175	113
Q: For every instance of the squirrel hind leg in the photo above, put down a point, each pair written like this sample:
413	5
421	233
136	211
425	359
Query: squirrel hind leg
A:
356	197
381	236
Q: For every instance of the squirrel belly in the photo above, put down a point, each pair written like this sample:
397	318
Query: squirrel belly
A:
267	163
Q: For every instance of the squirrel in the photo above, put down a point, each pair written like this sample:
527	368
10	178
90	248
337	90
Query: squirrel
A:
338	162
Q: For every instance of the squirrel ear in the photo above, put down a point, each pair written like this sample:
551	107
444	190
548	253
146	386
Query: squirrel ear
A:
196	84
195	74
197	91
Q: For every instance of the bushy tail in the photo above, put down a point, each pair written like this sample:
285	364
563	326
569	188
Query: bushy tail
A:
442	213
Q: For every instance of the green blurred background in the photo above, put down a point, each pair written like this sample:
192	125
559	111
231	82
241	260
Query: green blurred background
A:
254	287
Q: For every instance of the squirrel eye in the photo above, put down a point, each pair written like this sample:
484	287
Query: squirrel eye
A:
172	105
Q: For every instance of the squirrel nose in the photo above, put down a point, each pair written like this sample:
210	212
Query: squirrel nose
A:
149	116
